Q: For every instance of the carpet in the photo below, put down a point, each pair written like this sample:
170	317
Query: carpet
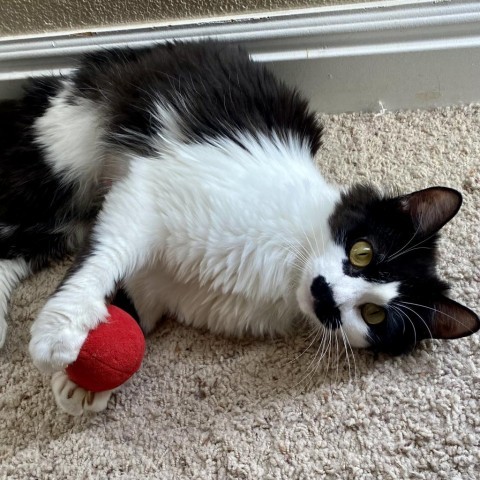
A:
205	407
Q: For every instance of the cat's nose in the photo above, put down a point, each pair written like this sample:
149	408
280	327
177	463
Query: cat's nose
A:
324	304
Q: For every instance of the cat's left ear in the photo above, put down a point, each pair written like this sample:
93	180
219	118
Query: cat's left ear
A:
432	208
452	320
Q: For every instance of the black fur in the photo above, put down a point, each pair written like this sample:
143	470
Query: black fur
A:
123	301
214	86
325	307
36	212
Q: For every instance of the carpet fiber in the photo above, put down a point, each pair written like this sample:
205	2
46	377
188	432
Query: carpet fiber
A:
205	407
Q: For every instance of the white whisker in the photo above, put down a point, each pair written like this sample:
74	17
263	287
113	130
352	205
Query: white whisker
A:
417	314
402	313
407	244
317	332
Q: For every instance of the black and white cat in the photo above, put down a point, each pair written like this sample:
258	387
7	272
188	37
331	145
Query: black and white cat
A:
185	173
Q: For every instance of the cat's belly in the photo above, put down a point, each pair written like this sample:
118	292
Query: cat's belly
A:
155	292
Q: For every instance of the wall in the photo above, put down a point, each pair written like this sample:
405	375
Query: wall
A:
24	17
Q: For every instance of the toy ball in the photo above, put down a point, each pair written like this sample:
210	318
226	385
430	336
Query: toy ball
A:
111	354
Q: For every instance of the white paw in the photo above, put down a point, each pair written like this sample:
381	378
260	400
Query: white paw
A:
3	331
59	332
53	349
75	400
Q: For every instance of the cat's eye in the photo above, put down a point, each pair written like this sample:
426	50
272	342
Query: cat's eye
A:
361	254
373	314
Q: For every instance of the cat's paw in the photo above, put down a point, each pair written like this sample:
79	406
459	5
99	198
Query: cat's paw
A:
59	332
52	349
75	400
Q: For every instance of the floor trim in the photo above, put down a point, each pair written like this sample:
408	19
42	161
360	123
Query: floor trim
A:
382	55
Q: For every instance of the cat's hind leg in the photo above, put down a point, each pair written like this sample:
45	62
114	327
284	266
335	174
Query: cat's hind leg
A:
75	400
12	272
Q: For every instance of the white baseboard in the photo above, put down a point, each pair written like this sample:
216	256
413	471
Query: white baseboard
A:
383	55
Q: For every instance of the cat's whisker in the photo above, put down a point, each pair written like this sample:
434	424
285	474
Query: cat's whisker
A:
403	313
298	251
348	346
294	242
417	314
408	251
337	359
437	311
346	352
319	355
311	367
298	262
393	257
408	243
320	359
330	353
431	308
314	331
298	255
326	345
329	349
399	313
308	240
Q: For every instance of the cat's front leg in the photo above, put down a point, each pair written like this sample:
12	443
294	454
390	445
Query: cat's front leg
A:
121	242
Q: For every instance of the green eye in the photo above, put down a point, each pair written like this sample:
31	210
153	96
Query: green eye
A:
373	314
361	254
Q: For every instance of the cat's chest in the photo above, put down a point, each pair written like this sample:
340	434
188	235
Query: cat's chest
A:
228	226
234	217
237	244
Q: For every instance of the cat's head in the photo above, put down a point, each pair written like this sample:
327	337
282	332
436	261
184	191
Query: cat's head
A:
376	283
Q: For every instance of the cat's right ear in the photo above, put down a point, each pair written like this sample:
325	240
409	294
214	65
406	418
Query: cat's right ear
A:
452	320
432	208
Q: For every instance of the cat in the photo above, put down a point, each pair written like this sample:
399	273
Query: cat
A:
183	177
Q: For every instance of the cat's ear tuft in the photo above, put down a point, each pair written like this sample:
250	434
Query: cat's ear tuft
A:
452	320
432	208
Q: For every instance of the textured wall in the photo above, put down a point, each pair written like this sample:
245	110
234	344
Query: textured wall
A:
21	17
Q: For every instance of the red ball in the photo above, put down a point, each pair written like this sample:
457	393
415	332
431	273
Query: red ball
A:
111	354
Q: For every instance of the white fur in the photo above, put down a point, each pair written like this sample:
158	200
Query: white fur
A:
70	135
12	272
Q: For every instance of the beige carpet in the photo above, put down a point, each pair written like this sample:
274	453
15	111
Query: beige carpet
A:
203	407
